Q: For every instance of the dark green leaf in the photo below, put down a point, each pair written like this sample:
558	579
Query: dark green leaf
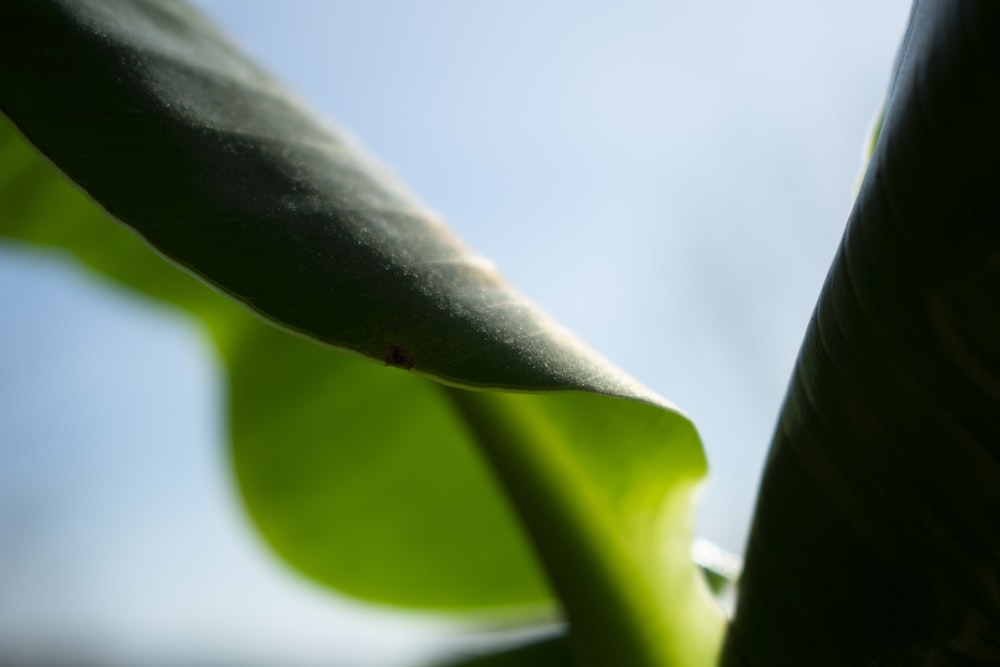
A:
365	478
303	416
876	538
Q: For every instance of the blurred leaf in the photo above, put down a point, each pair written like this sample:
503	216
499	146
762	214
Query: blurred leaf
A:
366	479
876	539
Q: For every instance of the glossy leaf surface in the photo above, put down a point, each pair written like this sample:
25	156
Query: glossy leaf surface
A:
876	538
366	478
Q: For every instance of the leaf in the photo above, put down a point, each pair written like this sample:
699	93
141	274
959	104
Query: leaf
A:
298	408
367	479
876	539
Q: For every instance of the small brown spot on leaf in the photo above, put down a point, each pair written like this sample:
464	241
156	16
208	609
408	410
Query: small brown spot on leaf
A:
399	357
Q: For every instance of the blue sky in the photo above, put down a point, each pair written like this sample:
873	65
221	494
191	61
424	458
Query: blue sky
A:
669	180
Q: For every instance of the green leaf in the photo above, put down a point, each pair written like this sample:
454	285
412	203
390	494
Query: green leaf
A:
365	478
302	414
876	539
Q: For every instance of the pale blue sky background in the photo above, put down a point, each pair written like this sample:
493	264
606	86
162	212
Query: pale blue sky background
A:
669	180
